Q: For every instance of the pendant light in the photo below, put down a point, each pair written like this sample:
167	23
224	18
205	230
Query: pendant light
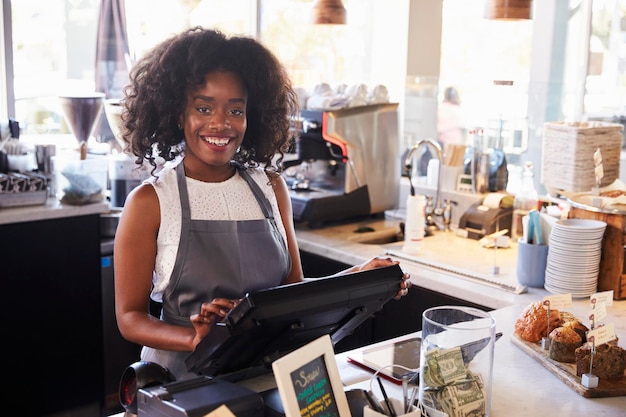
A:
508	9
329	12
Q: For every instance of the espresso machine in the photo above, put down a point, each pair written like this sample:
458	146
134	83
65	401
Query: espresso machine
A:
346	164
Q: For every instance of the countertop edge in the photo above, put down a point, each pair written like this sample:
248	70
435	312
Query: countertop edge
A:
53	209
334	242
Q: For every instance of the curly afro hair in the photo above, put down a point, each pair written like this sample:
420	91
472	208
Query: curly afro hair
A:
156	95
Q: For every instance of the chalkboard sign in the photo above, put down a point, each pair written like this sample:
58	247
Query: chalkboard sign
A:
313	390
308	381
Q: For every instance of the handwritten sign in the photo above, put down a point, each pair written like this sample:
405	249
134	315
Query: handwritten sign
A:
601	335
313	391
309	383
558	301
605	297
598	313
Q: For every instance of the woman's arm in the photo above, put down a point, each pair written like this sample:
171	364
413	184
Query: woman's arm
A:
286	214
284	204
134	261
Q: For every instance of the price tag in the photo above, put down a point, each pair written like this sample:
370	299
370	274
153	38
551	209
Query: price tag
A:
601	335
605	297
597	157
558	301
598	313
599	172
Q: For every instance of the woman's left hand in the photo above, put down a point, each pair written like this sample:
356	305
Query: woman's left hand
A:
380	262
404	286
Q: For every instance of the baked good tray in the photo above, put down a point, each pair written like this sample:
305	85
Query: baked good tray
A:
566	372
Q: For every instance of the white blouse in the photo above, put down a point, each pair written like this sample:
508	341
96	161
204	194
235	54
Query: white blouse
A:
228	200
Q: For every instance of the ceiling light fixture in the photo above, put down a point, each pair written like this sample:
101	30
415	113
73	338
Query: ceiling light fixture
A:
508	9
329	12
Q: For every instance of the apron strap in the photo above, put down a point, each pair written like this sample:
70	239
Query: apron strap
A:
266	207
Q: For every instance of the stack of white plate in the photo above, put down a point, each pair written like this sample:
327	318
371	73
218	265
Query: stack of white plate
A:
574	257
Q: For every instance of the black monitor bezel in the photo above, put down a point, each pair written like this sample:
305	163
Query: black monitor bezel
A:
270	323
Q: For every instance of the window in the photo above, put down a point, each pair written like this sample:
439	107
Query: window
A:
567	63
370	49
62	61
606	74
488	62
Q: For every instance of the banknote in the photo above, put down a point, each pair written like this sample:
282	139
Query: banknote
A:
451	366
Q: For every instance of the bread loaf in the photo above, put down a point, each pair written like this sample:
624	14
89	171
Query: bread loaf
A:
609	361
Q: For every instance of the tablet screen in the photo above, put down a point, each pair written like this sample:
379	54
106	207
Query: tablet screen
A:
403	355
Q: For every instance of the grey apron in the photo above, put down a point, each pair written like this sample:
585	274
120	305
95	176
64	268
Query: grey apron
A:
218	259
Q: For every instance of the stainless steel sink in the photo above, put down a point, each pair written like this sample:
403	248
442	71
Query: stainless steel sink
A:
382	236
377	237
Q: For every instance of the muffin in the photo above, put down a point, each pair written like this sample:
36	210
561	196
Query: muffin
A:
566	316
578	327
563	344
532	325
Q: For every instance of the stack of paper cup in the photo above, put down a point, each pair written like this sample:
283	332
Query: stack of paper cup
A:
415	222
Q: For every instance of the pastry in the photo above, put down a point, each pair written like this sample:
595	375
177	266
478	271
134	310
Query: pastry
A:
566	316
563	344
613	193
609	361
578	327
532	325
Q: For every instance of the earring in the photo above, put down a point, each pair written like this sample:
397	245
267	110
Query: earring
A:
179	126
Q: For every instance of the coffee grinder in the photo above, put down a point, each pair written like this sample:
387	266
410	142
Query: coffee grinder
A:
124	173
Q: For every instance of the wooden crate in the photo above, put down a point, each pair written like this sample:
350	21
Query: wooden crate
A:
611	275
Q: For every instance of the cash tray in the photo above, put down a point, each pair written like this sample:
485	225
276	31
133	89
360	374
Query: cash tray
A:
26	198
566	372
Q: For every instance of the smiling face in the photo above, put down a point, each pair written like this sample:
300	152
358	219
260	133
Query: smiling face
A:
214	122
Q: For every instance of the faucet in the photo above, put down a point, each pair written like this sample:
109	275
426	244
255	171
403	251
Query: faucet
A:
433	208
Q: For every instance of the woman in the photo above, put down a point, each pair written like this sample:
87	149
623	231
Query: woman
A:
215	220
450	120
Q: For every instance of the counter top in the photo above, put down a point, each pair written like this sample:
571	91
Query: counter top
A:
53	209
446	263
521	387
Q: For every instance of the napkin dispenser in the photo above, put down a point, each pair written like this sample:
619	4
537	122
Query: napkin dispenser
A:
492	214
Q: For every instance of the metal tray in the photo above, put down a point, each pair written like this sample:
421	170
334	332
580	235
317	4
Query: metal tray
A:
30	198
584	202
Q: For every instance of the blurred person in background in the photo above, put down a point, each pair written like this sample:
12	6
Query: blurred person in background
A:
450	120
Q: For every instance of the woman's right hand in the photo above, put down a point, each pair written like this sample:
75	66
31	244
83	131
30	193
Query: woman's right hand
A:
209	315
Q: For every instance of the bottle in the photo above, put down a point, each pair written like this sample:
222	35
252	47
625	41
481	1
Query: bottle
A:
525	200
415	223
498	170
